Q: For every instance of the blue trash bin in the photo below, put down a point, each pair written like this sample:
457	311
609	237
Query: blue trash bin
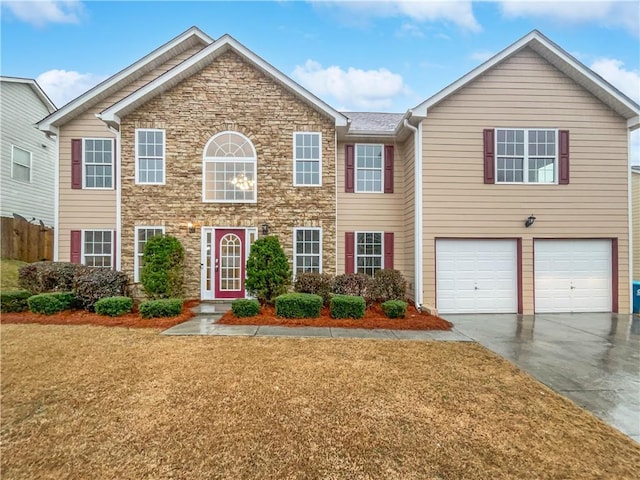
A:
636	297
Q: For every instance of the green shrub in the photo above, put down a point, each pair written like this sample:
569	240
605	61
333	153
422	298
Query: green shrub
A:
318	283
394	308
165	307
347	306
388	284
268	273
92	284
245	308
355	284
68	299
46	303
45	277
15	301
163	270
114	306
298	305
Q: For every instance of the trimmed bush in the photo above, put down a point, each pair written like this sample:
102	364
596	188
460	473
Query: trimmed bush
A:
245	308
347	306
114	306
355	284
318	283
163	270
68	299
388	284
298	305
46	303
92	284
394	308
45	277
14	301
165	307
268	273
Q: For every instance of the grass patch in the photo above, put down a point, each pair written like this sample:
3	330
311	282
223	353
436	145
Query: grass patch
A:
94	402
9	274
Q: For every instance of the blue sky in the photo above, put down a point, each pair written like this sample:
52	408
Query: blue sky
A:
368	56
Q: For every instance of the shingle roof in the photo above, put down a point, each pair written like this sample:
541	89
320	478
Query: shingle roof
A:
635	168
373	121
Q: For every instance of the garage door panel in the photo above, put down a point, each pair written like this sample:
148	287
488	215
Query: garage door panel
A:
476	276
573	276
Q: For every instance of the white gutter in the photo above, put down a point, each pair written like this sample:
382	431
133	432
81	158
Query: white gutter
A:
56	203
632	241
417	213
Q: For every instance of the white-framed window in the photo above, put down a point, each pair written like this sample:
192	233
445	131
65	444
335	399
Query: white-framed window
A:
307	159
369	166
97	163
97	248
150	156
526	155
369	252
229	169
307	250
20	164
142	235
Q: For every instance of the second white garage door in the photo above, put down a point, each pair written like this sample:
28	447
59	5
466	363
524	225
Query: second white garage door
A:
476	276
573	276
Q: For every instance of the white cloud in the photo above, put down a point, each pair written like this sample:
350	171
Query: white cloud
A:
628	82
613	71
353	88
457	12
41	12
63	85
409	30
603	12
481	55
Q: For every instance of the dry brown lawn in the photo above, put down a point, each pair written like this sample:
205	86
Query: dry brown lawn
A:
84	402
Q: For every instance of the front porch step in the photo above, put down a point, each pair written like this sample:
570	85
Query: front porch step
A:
209	307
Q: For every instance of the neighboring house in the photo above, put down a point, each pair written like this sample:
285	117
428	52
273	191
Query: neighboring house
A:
28	155
206	141
635	222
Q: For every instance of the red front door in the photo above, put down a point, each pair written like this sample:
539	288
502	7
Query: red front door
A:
229	266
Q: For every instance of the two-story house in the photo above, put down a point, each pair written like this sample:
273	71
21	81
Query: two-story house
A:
505	192
28	156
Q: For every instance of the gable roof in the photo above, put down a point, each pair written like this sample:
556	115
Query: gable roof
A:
36	89
186	40
198	61
561	60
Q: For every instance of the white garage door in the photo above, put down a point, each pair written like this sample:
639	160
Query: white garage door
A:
573	275
476	276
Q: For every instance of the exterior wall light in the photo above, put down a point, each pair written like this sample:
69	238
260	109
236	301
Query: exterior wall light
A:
191	228
529	221
265	229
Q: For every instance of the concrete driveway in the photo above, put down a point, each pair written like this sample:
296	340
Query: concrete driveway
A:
591	358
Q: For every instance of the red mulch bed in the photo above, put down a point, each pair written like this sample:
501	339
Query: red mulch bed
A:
374	317
82	317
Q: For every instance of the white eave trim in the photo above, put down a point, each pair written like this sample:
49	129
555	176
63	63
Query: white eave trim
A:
48	123
193	64
535	39
633	123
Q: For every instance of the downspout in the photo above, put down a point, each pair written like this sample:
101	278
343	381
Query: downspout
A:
417	212
118	178
56	203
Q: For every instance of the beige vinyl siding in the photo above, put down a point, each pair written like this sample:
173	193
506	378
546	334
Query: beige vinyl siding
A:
635	208
81	209
407	153
382	212
524	91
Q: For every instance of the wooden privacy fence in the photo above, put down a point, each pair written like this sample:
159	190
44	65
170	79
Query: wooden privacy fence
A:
25	241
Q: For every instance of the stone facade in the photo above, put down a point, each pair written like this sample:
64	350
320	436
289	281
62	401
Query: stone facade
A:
228	95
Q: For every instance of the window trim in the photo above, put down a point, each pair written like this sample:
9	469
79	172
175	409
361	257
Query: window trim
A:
206	160
355	168
525	160
295	254
13	147
84	169
163	158
355	248
83	241
136	254
295	160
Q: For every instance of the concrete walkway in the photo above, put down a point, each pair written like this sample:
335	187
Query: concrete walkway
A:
208	314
